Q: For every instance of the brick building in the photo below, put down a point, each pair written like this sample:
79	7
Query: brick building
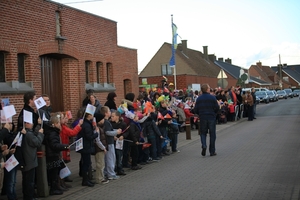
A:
61	51
192	67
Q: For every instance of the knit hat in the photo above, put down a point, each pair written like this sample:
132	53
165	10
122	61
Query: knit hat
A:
98	117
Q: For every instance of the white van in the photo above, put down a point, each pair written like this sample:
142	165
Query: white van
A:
256	89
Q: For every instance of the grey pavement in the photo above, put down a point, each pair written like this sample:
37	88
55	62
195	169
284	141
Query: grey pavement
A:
256	160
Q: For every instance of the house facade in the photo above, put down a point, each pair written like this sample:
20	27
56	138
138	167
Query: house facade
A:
54	49
192	67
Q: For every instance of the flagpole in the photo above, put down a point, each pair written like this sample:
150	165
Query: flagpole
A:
174	71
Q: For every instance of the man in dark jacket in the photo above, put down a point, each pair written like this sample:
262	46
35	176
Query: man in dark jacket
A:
254	101
207	107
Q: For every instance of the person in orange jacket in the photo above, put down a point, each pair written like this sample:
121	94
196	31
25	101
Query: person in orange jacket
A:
65	134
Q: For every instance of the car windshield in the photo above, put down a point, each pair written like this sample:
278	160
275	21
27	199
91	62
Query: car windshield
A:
270	93
280	92
296	90
260	93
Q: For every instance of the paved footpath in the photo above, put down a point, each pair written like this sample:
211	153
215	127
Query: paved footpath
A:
75	157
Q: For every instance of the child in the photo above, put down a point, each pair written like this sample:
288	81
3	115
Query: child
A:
65	134
101	150
152	132
110	157
134	135
174	131
30	143
117	123
53	152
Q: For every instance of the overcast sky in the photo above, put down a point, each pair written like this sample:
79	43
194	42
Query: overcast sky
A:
247	31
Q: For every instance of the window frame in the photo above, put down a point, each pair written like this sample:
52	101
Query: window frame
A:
21	67
2	67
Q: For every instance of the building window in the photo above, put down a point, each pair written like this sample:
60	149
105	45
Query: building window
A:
109	73
2	67
21	67
166	69
99	66
87	66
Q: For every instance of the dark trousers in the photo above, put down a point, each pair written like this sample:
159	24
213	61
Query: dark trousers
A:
153	150
119	156
28	184
134	152
208	126
86	162
125	158
250	112
174	141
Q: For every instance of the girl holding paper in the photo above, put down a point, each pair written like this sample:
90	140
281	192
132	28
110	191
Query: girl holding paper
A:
53	152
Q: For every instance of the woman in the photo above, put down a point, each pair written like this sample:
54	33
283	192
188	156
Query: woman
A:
249	102
93	101
53	152
111	98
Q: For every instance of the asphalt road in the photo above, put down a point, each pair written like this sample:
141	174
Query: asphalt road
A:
256	160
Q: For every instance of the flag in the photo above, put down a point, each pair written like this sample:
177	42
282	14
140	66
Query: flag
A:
19	143
90	109
167	116
160	116
174	44
39	103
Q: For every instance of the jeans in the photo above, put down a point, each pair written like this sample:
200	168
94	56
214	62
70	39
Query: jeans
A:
208	126
110	161
10	183
28	184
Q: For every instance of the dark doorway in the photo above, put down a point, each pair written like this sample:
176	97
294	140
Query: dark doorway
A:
52	85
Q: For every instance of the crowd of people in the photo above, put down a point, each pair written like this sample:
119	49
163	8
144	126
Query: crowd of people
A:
130	134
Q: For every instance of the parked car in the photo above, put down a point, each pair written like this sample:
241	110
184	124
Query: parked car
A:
277	98
282	94
263	96
257	100
289	92
271	95
296	93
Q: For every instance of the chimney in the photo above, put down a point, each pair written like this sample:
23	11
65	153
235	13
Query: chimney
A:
284	65
212	57
205	52
184	46
258	64
228	60
220	59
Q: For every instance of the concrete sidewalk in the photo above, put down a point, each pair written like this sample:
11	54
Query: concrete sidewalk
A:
75	157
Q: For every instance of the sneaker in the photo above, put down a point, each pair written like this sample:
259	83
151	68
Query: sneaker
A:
183	124
115	177
156	159
177	151
104	181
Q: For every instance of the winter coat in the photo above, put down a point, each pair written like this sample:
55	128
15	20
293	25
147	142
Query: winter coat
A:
88	136
53	143
134	133
150	129
65	134
30	143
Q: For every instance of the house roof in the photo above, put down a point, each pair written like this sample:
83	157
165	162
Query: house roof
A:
292	70
233	70
259	81
263	72
191	62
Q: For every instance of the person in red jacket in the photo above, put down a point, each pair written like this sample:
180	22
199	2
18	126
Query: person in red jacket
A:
65	135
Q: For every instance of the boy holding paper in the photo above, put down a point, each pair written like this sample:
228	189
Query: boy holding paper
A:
110	156
29	149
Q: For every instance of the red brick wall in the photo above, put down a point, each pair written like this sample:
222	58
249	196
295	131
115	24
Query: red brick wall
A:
29	26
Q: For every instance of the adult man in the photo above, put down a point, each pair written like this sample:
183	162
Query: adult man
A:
207	107
254	101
